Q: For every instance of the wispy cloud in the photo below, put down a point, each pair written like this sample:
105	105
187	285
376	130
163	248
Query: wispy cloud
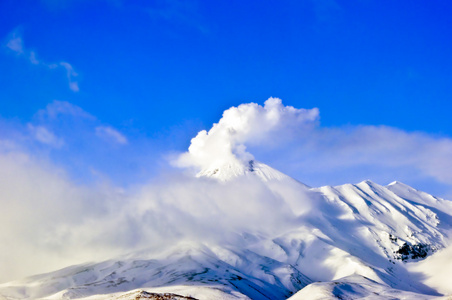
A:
81	143
60	108
71	74
16	45
45	136
369	152
111	134
63	109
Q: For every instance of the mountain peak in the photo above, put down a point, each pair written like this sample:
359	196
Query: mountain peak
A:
367	182
400	184
230	170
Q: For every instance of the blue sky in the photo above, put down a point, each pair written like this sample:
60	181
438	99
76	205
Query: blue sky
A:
100	99
109	89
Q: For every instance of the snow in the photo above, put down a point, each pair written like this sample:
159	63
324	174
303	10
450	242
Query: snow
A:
234	169
341	241
355	287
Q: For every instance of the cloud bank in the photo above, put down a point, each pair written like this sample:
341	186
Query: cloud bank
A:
51	219
379	153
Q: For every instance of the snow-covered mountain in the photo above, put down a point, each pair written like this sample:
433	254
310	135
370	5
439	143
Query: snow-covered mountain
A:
347	242
233	169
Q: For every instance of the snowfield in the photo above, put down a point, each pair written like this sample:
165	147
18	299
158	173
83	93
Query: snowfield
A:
354	241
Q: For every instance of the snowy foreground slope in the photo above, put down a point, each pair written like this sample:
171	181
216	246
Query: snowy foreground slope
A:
355	241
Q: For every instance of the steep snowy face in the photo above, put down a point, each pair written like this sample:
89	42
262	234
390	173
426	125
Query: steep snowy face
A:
397	226
355	287
232	170
418	197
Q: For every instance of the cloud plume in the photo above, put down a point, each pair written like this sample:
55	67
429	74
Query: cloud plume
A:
293	141
247	124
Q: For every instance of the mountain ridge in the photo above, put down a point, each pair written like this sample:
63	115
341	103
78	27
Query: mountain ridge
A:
359	236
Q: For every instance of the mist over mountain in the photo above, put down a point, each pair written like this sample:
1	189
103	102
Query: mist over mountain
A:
264	235
187	149
226	226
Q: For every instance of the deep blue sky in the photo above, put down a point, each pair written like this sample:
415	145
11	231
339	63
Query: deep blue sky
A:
165	69
360	62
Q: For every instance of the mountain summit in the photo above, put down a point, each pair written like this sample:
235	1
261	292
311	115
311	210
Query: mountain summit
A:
234	169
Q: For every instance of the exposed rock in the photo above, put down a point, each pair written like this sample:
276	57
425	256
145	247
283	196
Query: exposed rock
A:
138	295
418	251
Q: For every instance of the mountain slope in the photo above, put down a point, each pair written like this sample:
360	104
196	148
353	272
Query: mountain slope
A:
228	270
355	287
353	236
252	168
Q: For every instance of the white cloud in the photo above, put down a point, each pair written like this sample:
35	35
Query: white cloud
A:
376	152
33	58
43	216
246	124
293	141
111	134
49	221
436	270
60	108
15	43
70	73
43	135
87	148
